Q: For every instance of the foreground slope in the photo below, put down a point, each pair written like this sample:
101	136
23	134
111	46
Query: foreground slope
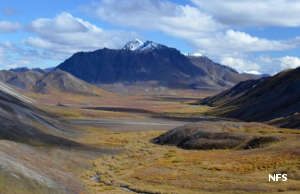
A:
266	99
21	121
148	62
25	131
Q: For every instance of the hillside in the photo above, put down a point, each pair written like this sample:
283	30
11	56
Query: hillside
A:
21	78
276	97
19	118
47	81
213	135
219	74
25	133
149	62
60	81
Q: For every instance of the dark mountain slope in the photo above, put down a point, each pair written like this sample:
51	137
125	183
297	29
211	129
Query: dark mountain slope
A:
261	100
167	66
232	94
144	62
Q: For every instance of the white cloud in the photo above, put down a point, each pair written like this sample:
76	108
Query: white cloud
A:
241	65
244	42
262	64
12	56
253	12
7	27
66	34
203	31
235	43
154	14
289	62
253	72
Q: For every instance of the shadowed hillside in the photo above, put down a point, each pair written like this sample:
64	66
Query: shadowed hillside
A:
266	99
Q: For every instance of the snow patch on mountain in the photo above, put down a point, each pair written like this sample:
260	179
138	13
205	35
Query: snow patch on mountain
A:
133	45
138	45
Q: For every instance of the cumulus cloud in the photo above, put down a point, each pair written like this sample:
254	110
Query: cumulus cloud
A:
65	34
155	14
264	13
201	30
289	62
235	43
7	27
262	64
242	65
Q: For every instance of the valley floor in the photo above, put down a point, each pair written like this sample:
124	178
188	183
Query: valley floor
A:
121	128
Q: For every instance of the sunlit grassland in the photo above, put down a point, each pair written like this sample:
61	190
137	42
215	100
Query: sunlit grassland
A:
187	111
79	113
146	167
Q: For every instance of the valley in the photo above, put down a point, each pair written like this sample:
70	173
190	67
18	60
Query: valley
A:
113	150
183	126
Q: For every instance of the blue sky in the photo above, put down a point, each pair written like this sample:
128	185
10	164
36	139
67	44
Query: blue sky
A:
250	35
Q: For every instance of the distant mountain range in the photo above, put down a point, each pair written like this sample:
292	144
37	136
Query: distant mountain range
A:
275	99
22	78
147	61
140	64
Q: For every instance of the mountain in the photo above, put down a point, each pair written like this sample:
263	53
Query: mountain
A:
137	45
149	62
275	99
60	81
25	133
48	81
19	120
25	69
133	45
219	74
20	78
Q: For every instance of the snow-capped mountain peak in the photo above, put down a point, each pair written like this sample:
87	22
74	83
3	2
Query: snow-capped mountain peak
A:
137	45
133	45
149	45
